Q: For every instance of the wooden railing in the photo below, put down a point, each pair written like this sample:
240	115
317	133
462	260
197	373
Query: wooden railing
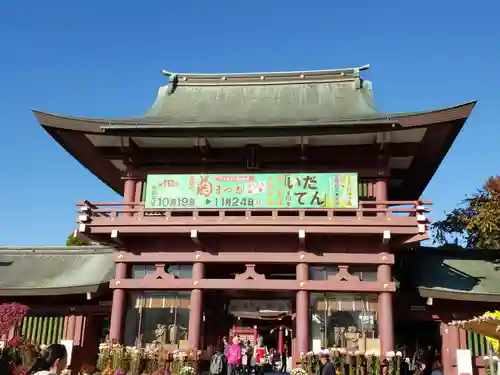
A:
137	210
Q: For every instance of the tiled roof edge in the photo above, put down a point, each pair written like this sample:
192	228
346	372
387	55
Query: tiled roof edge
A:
53	250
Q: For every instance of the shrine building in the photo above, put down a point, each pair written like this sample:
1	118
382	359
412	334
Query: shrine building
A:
275	204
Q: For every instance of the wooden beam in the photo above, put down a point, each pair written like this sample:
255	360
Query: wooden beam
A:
256	131
281	227
36	309
267	154
254	257
250	284
365	172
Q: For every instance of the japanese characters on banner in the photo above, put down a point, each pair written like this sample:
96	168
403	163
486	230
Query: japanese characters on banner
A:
247	191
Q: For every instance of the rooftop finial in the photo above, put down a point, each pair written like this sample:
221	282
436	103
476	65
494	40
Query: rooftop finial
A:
173	80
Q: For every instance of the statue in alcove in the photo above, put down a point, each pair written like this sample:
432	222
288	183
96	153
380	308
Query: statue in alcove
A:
175	333
352	337
161	334
139	341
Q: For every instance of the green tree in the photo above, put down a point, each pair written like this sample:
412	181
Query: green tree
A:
475	223
75	241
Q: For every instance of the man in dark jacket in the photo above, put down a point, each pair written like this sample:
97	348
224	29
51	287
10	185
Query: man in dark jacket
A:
328	369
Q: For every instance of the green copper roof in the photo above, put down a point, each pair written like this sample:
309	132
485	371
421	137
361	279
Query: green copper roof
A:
280	104
31	271
454	274
292	98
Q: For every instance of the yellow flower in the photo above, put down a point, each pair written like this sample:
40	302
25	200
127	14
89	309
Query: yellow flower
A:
494	342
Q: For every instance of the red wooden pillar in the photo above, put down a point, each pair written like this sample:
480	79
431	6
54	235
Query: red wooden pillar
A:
196	309
118	303
118	306
280	340
456	338
381	194
446	344
302	311
385	315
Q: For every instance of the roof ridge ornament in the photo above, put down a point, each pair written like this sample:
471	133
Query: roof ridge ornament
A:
358	82
276	77
173	81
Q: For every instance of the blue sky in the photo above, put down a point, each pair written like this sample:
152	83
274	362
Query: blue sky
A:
104	58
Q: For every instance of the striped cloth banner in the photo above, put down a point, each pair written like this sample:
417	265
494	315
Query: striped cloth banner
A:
42	330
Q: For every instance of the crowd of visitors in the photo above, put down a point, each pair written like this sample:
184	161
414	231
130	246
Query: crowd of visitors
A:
52	361
241	358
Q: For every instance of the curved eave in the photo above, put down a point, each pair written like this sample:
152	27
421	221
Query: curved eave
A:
437	116
70	290
457	295
56	250
97	125
443	126
79	146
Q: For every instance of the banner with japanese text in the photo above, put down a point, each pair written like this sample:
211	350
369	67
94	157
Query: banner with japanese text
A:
252	191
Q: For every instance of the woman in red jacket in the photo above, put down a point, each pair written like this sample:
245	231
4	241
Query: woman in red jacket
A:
261	356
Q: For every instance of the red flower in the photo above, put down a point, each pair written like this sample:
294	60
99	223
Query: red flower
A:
11	314
14	342
20	370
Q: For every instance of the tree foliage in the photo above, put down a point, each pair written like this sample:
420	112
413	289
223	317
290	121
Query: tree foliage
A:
494	342
475	223
75	241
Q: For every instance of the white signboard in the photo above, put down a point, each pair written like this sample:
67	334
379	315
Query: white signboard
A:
69	348
464	362
316	345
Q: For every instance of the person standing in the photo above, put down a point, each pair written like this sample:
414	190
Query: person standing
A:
261	356
233	356
436	367
284	358
247	368
324	357
53	361
246	355
225	343
218	362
